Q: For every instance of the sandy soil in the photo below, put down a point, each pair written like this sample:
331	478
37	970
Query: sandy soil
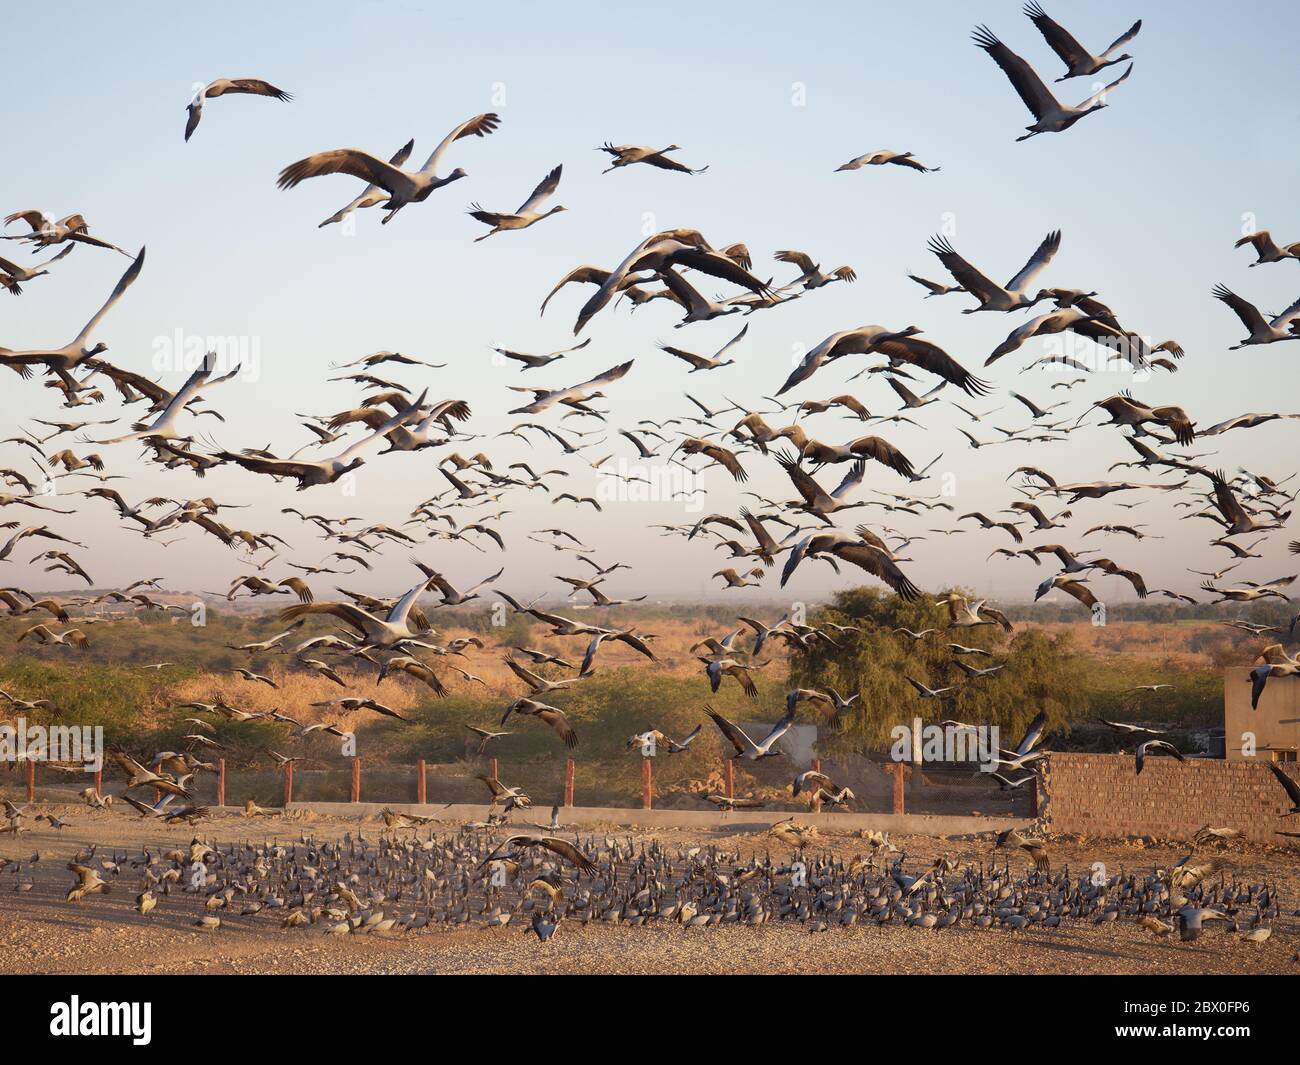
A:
40	933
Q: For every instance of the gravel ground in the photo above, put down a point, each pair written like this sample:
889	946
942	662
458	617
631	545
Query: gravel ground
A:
40	933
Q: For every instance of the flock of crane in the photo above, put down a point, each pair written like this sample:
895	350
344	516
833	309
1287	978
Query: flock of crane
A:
402	882
387	635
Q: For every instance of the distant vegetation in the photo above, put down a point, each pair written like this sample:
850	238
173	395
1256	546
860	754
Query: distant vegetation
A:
1055	661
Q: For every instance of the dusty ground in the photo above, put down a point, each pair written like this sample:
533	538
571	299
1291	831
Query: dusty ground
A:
40	933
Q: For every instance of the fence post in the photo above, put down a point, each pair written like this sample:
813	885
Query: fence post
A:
419	782
729	778
493	774
568	782
99	779
31	780
356	780
647	783
817	765
899	803
288	783
221	782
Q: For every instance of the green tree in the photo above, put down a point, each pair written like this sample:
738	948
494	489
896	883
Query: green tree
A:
1039	672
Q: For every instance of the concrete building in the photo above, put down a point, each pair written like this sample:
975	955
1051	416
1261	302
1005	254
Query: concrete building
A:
1273	728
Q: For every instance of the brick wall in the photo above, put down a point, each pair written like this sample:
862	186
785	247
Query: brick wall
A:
1100	795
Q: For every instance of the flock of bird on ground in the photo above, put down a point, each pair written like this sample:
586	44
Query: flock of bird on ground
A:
383	636
410	878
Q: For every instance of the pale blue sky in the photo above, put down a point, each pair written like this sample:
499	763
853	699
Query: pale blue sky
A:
1150	195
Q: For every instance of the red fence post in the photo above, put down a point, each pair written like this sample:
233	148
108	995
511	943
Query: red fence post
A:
31	780
288	783
568	782
647	783
899	804
729	778
221	782
1033	797
419	782
817	765
356	780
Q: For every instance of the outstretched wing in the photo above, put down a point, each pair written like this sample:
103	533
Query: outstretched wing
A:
799	258
123	283
1100	94
1059	39
970	278
478	126
526	675
557	720
254	86
1033	734
1292	787
734	733
1123	38
346	612
568	852
880	565
780	728
1225	500
586	275
803	483
545	188
1247	312
718	265
1024	79
608	377
351	161
1042	256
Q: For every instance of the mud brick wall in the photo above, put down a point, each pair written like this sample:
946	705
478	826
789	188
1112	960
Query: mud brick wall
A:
1100	795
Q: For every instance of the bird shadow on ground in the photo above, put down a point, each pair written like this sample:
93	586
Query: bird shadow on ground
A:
1076	948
